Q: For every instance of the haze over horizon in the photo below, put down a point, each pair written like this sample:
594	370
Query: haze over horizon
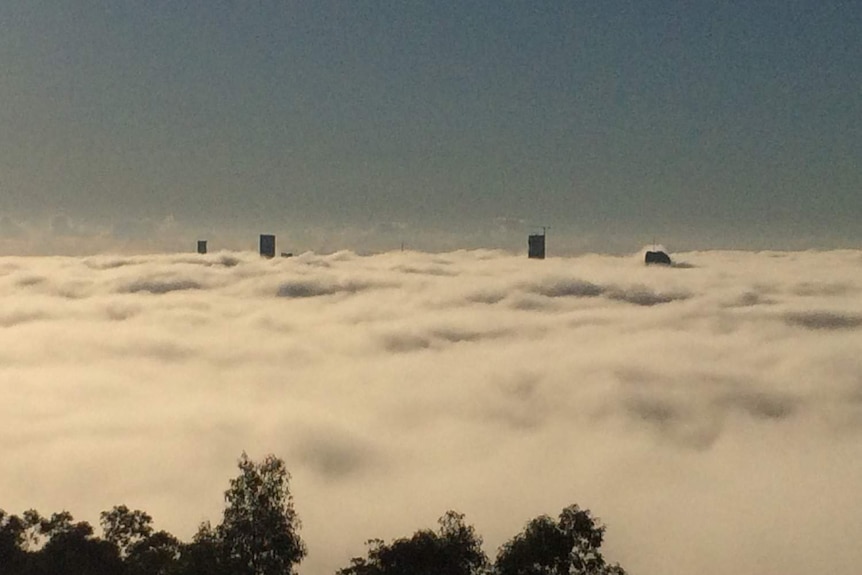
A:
141	126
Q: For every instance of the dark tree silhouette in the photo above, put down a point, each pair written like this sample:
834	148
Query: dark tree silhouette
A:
204	555
72	550
13	530
125	528
259	535
259	531
157	554
568	546
456	549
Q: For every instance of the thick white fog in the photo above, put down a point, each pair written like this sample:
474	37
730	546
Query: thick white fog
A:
709	413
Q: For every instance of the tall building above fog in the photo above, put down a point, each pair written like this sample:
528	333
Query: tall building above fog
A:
267	245
536	246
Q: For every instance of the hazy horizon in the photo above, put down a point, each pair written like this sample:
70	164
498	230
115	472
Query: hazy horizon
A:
61	236
339	124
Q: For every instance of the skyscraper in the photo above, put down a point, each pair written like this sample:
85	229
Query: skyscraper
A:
536	246
267	245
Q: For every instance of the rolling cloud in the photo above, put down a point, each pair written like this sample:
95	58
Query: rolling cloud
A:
710	413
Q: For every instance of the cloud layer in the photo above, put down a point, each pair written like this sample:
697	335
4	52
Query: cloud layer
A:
710	413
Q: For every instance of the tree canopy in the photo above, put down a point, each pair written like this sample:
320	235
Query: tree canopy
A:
568	546
259	531
455	549
259	535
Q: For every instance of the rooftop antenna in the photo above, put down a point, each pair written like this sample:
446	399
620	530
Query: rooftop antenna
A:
544	229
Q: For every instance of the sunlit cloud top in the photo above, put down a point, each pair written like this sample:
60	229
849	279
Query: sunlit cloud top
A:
721	395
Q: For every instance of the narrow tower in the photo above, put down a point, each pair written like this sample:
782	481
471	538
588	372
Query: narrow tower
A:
536	245
267	245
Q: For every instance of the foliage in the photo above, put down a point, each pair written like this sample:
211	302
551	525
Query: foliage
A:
568	546
203	556
125	528
258	535
156	554
12	528
456	549
73	550
259	529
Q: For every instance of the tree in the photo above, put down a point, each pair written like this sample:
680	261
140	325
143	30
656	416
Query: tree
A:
568	546
203	556
72	550
259	531
455	549
20	536
461	545
12	542
124	528
58	523
157	554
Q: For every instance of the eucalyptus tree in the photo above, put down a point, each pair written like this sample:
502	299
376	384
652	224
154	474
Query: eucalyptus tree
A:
259	532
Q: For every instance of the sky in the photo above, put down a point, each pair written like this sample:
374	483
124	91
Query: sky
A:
133	127
709	413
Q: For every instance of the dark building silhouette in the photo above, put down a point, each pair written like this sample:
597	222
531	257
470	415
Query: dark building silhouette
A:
202	246
657	257
536	246
267	245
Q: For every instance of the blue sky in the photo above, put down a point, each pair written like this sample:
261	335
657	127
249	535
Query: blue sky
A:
730	124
